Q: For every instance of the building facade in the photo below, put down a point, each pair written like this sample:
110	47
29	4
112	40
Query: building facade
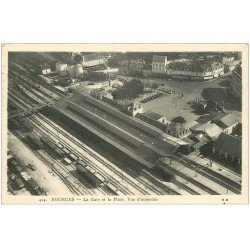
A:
214	70
228	148
236	83
159	64
93	60
227	122
132	66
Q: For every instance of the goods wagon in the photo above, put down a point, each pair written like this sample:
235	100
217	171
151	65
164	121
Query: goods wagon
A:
66	151
166	174
48	142
20	134
81	167
59	145
34	140
15	168
94	177
24	125
59	152
34	188
25	176
18	183
73	157
112	188
67	160
14	124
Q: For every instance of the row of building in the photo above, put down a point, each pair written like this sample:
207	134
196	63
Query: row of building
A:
161	66
236	82
217	130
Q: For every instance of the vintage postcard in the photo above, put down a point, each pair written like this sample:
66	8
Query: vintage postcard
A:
125	124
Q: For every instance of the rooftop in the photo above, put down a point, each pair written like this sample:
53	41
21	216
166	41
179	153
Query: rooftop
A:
152	115
229	144
225	120
159	58
211	130
92	57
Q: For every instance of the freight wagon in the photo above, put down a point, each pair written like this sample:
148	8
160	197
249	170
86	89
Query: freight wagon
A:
66	151
20	134
24	125
48	142
164	172
25	176
94	177
67	160
81	167
73	157
34	140
59	152
14	124
18	183
34	188
59	145
15	168
112	188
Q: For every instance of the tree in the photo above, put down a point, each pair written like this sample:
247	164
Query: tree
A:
129	90
78	59
179	119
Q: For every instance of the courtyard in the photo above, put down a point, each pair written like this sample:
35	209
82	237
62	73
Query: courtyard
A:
177	104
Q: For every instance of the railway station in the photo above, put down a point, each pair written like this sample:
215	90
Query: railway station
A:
96	147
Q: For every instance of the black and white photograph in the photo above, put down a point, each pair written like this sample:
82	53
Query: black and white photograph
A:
128	124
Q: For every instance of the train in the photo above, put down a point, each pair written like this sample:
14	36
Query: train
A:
33	187
91	175
52	146
24	125
113	189
33	139
14	124
48	142
166	174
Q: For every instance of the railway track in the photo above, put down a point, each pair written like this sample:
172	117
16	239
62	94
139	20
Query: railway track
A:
30	103
158	183
189	179
98	158
160	189
69	184
208	173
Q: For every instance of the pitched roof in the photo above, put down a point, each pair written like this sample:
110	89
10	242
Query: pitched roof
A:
229	144
225	120
211	130
198	137
92	57
152	115
159	58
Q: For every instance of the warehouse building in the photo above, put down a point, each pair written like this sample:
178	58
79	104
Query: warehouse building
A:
211	131
227	122
228	148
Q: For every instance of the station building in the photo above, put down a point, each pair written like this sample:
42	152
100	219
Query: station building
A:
229	148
